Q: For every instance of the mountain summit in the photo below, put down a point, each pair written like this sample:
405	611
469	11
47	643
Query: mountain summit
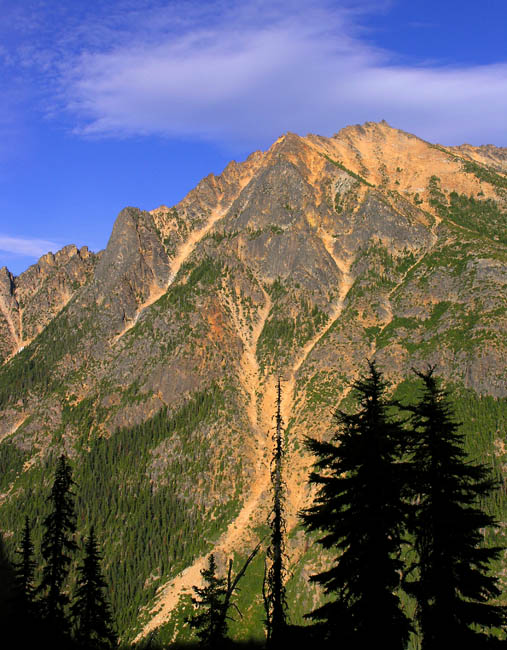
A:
154	362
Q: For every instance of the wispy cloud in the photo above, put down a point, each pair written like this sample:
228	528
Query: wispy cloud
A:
26	247
251	75
243	73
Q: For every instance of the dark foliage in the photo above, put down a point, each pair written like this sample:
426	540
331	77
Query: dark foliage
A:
361	515
150	644
19	616
90	609
275	602
7	589
210	622
57	546
452	587
25	569
215	601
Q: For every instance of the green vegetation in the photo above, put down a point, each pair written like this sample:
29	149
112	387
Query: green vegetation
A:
181	294
378	270
404	262
25	570
437	197
254	234
485	174
360	515
484	217
452	325
209	621
90	609
455	592
452	257
341	166
171	450
276	290
57	548
277	333
23	373
12	459
149	474
219	237
321	388
207	272
281	333
36	367
483	421
145	474
338	202
482	505
83	415
270	229
133	394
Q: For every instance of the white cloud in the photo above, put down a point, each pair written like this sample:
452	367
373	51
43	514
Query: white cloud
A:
27	247
249	76
243	73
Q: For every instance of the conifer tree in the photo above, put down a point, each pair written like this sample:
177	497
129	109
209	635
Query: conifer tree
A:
57	546
24	570
452	586
26	614
210	622
360	513
90	610
275	603
9	604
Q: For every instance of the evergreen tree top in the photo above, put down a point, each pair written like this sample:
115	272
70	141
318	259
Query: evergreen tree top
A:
438	444
91	610
60	524
452	585
210	620
360	476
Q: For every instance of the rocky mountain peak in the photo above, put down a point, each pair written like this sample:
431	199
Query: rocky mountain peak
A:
157	358
30	301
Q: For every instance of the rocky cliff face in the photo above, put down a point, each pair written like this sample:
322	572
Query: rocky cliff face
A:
30	301
489	155
302	261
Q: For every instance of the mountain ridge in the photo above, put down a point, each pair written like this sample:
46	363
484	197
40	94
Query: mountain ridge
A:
481	154
301	261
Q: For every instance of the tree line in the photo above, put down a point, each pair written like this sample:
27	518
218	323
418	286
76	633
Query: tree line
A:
396	506
45	612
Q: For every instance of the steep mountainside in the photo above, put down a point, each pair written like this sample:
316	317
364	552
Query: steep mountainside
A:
30	301
154	362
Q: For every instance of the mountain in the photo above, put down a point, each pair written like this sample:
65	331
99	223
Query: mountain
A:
30	301
153	363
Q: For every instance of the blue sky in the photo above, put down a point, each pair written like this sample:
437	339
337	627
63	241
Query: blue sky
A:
131	102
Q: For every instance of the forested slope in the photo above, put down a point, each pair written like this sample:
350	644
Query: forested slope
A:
156	373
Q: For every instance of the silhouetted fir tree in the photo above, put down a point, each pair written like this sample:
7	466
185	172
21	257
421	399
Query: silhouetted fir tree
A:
26	614
91	610
25	569
275	603
9	610
360	512
210	621
452	586
56	549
